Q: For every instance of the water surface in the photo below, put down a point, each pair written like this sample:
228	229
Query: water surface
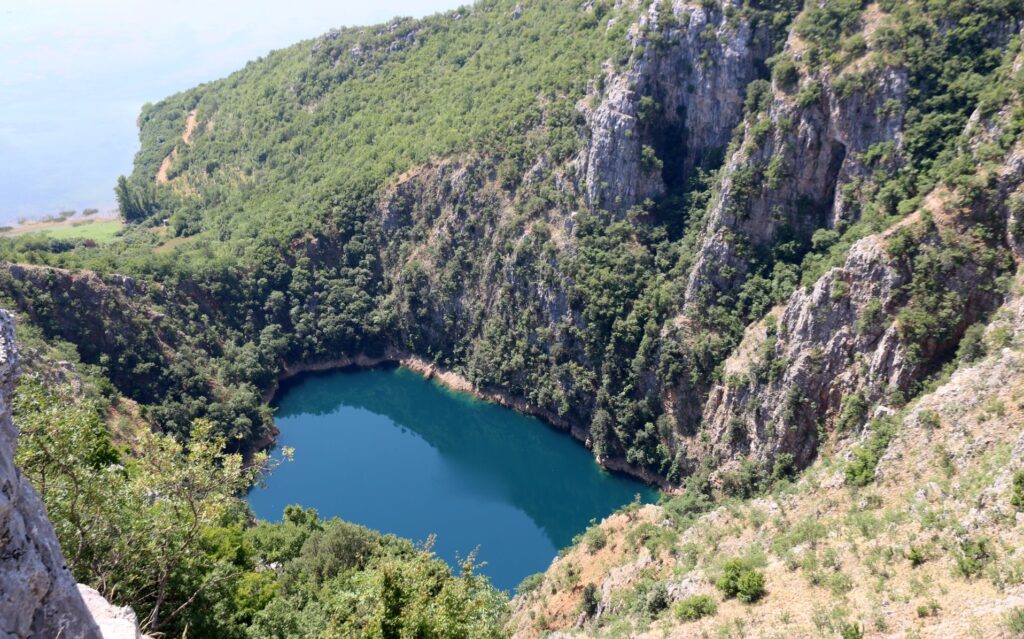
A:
391	450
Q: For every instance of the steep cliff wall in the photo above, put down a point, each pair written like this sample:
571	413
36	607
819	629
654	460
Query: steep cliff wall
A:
603	248
679	99
893	558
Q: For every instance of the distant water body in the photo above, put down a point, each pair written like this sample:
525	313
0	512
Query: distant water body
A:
391	450
74	77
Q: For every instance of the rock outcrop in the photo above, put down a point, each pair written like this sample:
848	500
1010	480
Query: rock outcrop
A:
115	622
38	596
680	100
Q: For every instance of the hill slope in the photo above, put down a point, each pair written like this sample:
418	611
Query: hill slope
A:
711	240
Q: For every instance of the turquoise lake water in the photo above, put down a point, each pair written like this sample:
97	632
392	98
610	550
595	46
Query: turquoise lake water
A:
391	450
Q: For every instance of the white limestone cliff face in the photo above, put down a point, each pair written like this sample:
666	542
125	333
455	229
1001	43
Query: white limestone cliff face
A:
695	85
115	622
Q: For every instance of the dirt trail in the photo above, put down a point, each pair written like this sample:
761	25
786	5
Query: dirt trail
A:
190	127
186	137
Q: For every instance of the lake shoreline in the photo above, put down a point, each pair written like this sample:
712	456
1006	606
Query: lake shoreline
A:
458	383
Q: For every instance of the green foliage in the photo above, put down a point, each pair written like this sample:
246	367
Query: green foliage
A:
694	500
916	556
973	555
852	411
649	160
1014	623
809	95
785	73
654	599
972	344
739	580
589	600
135	202
696	607
163	529
1017	490
851	631
530	583
860	471
595	539
144	551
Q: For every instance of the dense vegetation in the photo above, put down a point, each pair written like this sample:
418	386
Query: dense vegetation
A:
416	188
282	232
161	527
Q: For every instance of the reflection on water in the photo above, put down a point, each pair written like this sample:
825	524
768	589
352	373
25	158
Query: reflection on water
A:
393	451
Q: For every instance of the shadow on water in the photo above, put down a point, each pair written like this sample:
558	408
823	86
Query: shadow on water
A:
435	446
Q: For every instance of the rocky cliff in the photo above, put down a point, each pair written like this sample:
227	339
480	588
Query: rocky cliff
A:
930	547
713	230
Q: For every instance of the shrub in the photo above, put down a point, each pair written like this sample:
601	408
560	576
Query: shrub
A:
740	581
649	160
869	316
595	539
928	609
530	583
972	344
916	556
854	409
750	586
840	289
861	469
656	600
1017	494
588	605
974	555
1015	623
696	607
809	95
785	73
851	631
929	419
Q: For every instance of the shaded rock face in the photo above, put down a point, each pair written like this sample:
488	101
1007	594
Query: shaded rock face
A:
38	596
844	335
681	99
815	150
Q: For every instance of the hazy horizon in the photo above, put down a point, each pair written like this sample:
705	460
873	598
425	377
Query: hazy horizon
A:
74	78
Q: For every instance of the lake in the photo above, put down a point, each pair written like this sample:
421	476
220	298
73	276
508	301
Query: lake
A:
391	450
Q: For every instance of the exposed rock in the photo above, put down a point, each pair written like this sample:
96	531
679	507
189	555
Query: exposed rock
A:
115	622
696	86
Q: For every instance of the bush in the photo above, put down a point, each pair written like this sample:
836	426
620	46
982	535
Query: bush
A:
588	605
740	581
656	600
861	469
785	73
530	583
972	344
1015	623
974	555
851	631
750	586
809	95
929	419
916	556
595	539
1017	494
696	607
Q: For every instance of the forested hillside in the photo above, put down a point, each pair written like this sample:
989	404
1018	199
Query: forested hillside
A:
717	241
